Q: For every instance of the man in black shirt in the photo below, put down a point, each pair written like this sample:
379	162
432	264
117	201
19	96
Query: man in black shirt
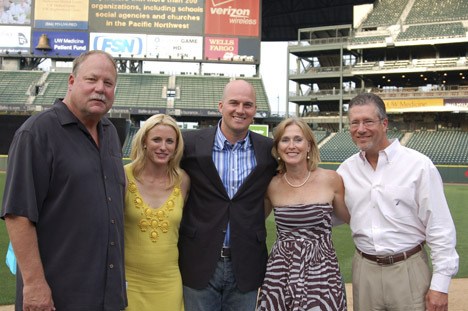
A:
63	198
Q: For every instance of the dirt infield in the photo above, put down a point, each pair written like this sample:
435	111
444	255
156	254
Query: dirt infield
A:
457	296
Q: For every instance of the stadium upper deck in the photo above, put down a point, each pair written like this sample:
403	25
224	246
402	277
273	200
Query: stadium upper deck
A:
412	52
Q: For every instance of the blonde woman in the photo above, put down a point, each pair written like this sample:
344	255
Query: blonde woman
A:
302	270
155	194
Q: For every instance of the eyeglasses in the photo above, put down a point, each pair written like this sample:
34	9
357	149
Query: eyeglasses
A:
365	123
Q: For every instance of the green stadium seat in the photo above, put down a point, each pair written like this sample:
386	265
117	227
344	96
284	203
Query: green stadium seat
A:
442	147
17	86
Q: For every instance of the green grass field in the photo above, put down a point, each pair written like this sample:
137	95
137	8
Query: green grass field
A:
457	196
7	280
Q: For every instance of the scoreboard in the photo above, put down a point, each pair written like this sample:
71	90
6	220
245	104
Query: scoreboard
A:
199	30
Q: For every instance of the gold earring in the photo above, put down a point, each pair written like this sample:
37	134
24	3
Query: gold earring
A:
279	159
308	157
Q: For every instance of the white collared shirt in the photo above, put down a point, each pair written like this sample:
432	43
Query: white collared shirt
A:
399	205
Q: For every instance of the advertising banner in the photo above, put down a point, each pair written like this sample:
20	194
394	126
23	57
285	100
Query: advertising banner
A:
14	39
62	43
456	102
59	14
198	30
179	47
119	45
192	112
148	17
232	49
261	129
232	17
413	103
221	48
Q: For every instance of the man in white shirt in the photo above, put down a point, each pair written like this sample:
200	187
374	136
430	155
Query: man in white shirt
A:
397	204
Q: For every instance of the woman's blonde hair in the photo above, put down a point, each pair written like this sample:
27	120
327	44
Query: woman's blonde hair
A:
138	152
314	153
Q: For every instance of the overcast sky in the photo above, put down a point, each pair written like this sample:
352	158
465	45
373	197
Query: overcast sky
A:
273	69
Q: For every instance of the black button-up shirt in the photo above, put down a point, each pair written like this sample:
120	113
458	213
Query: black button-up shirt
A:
73	191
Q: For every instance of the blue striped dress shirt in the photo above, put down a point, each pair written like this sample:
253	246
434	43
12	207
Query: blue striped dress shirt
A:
234	163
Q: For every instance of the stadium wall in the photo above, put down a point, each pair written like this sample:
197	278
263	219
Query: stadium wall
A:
10	123
8	126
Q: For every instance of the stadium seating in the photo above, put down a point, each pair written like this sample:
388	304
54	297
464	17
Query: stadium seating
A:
338	148
17	86
54	86
133	90
341	146
430	11
367	40
320	135
137	90
391	134
204	92
262	99
385	13
433	31
141	90
442	147
199	92
127	147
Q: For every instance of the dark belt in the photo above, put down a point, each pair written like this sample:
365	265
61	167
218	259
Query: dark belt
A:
226	252
391	259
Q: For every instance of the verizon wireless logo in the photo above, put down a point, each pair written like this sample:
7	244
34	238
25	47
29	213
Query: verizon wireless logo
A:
229	11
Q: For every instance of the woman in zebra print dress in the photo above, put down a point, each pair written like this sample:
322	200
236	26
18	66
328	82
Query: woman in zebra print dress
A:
302	270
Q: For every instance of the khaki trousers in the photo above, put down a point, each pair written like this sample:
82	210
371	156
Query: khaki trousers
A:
401	286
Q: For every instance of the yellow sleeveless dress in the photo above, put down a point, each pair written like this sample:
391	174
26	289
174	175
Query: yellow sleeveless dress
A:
151	255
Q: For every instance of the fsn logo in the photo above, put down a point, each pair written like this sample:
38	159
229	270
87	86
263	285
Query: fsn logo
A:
117	45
